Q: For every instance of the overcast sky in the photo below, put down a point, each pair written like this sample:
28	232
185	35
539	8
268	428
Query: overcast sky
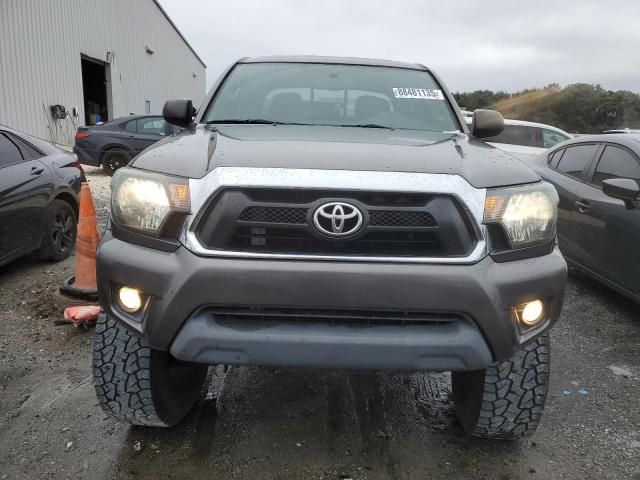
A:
471	44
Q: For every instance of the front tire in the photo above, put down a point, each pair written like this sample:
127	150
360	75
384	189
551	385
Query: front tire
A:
505	400
138	384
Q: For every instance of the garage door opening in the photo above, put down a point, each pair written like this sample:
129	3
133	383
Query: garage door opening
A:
94	88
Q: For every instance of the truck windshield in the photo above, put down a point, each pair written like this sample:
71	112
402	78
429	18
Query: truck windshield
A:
329	94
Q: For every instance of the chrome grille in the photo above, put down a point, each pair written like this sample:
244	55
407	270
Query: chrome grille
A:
278	221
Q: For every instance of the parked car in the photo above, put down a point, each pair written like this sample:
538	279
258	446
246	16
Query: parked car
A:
598	179
524	139
622	130
39	186
336	213
115	143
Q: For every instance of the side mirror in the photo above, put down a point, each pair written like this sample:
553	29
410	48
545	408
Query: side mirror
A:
624	189
486	123
179	112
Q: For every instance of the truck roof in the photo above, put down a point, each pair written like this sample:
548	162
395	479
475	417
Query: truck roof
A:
332	60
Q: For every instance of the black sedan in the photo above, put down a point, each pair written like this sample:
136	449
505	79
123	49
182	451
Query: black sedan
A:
598	180
114	144
39	186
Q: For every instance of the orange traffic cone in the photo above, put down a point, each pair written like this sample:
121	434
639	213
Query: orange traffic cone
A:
87	242
81	288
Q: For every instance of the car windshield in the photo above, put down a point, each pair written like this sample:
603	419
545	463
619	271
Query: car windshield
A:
329	94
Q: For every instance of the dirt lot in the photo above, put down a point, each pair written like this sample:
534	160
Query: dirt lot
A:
264	423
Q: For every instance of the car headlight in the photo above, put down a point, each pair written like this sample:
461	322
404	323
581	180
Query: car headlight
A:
149	203
528	214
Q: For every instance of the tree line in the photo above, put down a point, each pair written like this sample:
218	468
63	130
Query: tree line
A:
575	108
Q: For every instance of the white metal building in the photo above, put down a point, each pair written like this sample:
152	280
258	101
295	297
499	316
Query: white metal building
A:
99	59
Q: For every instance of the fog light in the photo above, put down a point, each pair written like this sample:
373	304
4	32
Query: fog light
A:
531	313
130	299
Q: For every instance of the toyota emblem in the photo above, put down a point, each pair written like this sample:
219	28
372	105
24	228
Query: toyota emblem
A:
337	219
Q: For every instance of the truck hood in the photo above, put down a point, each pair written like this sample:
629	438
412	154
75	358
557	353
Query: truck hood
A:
196	151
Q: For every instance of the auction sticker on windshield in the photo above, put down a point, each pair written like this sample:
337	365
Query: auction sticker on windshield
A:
420	93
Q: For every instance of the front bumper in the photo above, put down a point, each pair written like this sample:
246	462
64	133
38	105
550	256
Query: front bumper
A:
205	338
182	286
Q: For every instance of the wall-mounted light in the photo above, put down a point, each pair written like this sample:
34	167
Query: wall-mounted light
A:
109	57
194	75
149	50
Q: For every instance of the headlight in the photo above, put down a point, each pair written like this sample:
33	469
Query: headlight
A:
149	203
528	214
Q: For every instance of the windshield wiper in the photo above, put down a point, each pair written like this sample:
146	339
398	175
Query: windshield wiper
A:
250	121
262	121
367	125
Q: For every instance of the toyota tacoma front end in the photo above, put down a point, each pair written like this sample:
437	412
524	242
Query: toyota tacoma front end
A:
333	213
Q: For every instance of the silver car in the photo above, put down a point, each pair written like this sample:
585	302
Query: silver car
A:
526	139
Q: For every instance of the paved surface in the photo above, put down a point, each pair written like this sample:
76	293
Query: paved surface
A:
258	423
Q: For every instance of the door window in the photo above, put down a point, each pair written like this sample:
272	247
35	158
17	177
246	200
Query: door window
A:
575	159
9	153
28	151
151	126
554	159
130	126
550	138
517	135
616	163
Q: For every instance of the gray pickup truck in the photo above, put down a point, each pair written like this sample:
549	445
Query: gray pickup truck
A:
329	213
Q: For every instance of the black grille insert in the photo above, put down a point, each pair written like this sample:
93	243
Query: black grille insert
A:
401	218
290	215
377	218
277	221
384	243
250	316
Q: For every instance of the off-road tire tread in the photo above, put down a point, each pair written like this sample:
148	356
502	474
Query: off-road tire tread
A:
46	250
514	393
121	373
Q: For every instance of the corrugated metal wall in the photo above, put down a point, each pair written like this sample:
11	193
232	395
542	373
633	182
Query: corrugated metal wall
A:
41	43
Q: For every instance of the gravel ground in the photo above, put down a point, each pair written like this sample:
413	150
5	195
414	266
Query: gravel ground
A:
292	424
99	184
